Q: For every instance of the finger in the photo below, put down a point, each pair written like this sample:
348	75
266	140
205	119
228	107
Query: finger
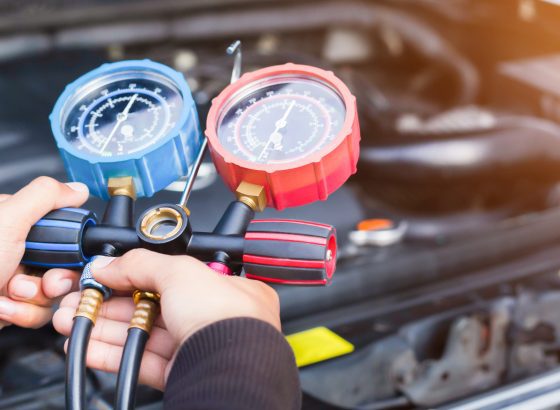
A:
107	357
146	270
59	282
120	309
115	332
37	199
27	289
24	314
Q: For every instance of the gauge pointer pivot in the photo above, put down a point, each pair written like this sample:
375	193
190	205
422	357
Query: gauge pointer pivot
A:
276	137
121	117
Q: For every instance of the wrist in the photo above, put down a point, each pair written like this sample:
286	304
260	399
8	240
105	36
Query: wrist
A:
271	320
217	336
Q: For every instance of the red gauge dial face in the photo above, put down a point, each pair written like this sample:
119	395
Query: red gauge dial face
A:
281	119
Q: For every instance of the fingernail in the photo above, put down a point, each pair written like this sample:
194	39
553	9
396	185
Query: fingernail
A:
7	308
63	287
77	186
24	289
101	262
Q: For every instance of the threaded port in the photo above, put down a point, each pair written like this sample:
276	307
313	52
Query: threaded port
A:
249	202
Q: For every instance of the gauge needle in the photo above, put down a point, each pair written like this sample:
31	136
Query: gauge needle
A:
121	117
276	137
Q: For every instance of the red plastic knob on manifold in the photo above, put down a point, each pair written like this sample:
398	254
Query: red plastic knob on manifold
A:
301	181
290	252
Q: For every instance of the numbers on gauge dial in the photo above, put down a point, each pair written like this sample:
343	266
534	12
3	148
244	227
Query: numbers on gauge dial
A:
282	122
123	118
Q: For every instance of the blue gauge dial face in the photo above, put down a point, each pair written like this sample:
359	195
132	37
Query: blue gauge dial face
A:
121	114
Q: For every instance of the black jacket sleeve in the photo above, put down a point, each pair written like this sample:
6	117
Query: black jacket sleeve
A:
234	364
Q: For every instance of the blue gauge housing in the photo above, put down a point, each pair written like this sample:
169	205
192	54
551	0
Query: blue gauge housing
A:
132	118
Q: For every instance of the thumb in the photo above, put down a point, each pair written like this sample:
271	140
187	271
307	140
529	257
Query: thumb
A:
146	270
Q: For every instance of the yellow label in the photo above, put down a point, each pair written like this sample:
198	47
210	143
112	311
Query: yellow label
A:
317	345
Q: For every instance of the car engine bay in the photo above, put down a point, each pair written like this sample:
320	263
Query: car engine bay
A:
450	292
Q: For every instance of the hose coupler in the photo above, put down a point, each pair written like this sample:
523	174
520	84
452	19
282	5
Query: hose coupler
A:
147	309
87	281
93	295
90	304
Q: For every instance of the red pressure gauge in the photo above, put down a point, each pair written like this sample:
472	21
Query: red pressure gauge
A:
290	128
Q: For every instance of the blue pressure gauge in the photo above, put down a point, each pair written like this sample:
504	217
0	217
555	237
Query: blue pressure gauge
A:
132	118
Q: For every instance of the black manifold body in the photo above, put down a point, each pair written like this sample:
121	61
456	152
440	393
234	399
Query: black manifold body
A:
276	250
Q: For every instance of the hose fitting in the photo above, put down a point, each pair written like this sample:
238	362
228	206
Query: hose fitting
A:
93	295
147	309
88	282
90	304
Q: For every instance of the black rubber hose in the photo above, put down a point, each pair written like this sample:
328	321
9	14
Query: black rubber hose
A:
76	363
129	369
517	147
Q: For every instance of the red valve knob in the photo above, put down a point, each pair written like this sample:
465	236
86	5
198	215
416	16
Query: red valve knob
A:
290	252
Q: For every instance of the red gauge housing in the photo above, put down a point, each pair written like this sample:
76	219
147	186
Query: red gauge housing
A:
301	181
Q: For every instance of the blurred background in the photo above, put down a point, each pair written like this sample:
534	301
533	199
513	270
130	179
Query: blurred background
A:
449	291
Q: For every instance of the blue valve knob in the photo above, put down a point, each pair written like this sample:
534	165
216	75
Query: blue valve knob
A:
56	240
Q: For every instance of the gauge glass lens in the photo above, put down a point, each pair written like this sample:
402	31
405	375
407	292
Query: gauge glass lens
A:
121	113
281	119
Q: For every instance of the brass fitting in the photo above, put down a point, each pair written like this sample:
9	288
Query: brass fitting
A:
147	309
121	186
252	195
140	294
90	304
157	216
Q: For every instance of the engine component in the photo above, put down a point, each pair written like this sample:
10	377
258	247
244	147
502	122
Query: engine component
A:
424	265
530	85
474	359
455	121
534	334
378	232
537	393
412	171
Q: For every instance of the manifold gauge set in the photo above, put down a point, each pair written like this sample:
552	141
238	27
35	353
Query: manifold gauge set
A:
281	136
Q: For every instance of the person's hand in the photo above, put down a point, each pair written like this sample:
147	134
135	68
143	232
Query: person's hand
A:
192	297
26	300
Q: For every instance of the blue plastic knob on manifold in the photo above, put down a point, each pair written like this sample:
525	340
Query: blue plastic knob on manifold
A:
132	118
56	240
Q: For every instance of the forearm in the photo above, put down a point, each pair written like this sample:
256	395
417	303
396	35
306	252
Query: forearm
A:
235	364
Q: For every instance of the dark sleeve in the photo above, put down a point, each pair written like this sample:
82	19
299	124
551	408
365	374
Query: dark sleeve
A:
234	364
